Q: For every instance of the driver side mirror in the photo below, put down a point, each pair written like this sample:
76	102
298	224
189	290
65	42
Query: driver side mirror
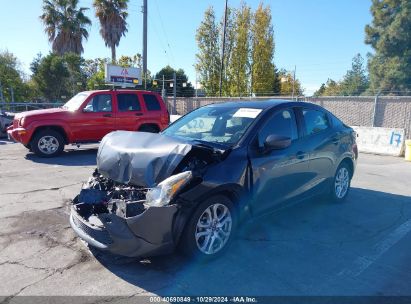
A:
276	142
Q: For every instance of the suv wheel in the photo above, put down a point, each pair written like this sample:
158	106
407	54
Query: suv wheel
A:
47	143
341	183
210	229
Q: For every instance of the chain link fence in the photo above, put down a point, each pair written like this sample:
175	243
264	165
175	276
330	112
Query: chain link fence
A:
369	111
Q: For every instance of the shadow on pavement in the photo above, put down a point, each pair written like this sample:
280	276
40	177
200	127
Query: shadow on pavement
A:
299	250
83	157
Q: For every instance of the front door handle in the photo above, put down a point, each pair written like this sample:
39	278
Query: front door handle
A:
139	114
301	155
107	115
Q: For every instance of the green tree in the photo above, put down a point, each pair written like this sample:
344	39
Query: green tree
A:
286	80
239	67
229	48
128	61
184	87
94	70
262	51
57	76
65	25
389	35
12	80
330	88
355	81
208	57
112	15
320	91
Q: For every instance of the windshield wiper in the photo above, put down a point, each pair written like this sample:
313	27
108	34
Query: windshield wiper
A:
211	146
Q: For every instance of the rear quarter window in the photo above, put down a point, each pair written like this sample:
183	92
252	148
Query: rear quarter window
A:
151	102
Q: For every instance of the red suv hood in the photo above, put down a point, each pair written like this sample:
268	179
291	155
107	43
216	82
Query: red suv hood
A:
40	112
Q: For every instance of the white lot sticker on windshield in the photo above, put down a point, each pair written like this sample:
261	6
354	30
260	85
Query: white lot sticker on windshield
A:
247	112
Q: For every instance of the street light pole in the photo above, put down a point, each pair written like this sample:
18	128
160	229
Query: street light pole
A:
222	57
145	8
295	68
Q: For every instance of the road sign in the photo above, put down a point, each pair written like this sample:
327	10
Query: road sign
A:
125	77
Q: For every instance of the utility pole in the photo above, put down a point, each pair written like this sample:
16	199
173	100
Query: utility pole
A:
175	93
222	57
145	8
1	93
374	114
295	69
163	90
196	84
12	94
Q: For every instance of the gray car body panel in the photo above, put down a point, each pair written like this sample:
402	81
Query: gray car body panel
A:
257	181
140	158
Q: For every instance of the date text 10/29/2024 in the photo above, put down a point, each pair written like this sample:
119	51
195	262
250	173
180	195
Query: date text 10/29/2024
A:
205	299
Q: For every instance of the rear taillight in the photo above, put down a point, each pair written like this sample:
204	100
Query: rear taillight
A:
165	118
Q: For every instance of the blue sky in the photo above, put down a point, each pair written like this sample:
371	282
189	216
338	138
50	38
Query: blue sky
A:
320	37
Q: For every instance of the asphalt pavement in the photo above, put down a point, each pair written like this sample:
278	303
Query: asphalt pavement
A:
359	247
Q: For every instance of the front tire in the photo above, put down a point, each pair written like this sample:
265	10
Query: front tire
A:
341	183
210	229
47	143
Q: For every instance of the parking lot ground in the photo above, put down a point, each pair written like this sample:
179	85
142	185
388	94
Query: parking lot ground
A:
359	247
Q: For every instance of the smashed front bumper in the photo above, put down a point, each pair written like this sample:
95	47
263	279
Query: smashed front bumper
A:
146	234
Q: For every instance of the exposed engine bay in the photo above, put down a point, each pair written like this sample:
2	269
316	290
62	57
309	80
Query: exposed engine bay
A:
131	204
101	194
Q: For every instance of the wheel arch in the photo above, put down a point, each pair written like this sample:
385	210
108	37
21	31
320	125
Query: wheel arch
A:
55	128
149	125
234	192
350	163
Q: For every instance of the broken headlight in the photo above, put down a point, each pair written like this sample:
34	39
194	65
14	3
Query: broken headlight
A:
163	193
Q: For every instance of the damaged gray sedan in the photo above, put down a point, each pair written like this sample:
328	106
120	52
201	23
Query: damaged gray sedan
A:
190	185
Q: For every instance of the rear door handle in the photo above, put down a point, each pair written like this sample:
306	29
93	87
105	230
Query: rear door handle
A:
139	114
107	115
301	155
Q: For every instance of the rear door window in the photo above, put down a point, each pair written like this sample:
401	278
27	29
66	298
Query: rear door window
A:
128	102
99	103
315	121
151	102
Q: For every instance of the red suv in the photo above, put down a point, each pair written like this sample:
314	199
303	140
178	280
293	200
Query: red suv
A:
87	117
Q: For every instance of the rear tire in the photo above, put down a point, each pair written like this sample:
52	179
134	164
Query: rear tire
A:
210	229
47	143
341	183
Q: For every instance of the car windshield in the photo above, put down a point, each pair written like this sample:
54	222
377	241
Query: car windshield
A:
220	125
75	102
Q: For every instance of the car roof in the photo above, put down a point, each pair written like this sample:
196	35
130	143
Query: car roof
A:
117	90
259	104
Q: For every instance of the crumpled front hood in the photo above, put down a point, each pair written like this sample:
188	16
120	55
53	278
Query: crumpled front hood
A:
139	158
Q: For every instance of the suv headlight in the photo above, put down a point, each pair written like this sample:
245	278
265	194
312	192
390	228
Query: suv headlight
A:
163	193
21	121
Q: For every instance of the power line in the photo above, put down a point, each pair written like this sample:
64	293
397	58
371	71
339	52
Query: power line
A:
164	31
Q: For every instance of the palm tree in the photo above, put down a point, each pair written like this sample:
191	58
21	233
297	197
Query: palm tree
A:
66	26
112	15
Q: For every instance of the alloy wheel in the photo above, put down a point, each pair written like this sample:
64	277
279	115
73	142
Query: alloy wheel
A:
48	144
213	229
342	182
